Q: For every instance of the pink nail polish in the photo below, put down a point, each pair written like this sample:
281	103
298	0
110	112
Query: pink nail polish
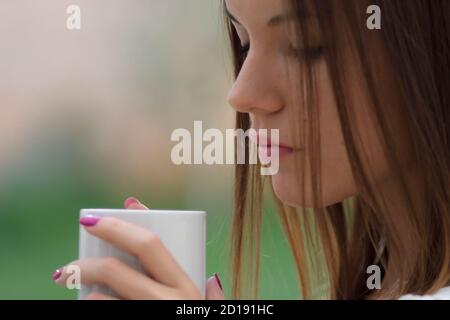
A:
89	220
218	281
57	274
130	201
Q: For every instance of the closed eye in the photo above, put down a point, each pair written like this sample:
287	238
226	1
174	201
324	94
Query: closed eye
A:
309	54
244	50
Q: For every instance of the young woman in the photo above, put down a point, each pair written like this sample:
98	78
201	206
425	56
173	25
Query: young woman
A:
363	181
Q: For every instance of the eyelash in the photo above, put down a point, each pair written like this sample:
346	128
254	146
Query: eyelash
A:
244	50
308	54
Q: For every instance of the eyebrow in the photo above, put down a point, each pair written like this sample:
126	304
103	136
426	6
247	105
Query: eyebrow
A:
272	22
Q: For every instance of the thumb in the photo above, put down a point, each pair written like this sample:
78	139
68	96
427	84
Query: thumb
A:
214	288
133	203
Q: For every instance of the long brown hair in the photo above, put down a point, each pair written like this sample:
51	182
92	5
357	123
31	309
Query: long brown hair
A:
333	246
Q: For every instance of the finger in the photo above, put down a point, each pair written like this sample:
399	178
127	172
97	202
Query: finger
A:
214	289
99	296
146	246
116	275
133	203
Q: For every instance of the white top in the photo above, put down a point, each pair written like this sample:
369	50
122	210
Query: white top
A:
441	294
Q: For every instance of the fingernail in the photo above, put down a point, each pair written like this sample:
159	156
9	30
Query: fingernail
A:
89	220
57	274
130	201
216	276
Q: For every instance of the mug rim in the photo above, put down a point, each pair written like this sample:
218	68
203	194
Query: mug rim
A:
141	211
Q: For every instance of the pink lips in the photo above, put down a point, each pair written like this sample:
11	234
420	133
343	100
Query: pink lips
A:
266	150
265	146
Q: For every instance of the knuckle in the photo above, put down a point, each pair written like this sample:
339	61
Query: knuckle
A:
150	240
109	266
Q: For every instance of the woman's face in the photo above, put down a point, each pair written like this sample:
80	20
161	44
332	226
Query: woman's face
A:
267	91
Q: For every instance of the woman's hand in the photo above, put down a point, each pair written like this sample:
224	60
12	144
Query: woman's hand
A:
168	280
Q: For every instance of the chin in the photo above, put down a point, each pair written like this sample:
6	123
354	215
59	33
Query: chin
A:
289	192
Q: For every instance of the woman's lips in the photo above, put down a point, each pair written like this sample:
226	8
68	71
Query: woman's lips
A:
265	146
267	150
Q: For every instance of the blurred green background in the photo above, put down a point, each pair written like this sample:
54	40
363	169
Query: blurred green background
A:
86	118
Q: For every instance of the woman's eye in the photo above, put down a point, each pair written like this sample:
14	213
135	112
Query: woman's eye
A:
312	53
244	50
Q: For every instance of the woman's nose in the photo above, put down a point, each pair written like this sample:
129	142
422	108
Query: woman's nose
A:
257	88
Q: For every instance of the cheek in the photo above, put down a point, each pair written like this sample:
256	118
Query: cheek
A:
336	175
337	181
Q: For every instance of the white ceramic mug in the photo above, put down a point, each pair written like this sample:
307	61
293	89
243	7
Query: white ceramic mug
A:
182	232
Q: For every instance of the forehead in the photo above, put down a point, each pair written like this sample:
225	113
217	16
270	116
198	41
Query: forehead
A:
255	12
